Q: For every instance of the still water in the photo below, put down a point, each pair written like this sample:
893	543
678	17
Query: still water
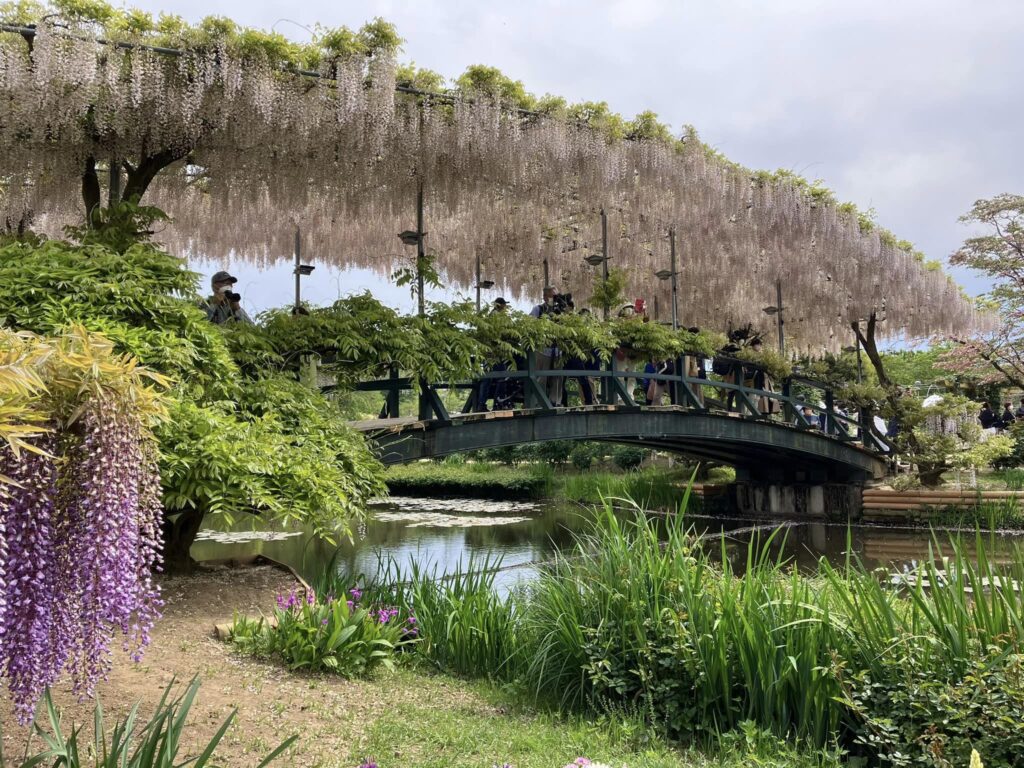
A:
449	533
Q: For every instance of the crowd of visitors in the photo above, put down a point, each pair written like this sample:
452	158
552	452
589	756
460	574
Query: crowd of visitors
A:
991	418
652	388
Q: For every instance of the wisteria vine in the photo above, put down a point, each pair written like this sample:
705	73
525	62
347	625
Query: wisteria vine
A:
79	543
262	149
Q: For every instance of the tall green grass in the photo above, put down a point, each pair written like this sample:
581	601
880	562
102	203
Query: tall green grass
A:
465	626
642	614
1014	479
646	616
652	488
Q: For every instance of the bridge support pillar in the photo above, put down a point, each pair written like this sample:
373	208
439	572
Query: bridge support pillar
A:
818	501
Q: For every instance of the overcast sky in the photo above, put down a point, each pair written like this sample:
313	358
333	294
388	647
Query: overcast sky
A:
910	107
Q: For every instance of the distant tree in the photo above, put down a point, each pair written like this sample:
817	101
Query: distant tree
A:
996	355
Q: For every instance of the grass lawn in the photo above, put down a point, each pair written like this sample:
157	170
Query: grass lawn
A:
480	729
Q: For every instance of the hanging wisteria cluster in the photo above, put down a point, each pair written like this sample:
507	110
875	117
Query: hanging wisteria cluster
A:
261	148
79	523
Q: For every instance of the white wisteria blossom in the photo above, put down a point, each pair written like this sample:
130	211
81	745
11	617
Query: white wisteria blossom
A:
240	148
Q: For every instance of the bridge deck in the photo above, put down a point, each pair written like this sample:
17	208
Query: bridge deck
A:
756	442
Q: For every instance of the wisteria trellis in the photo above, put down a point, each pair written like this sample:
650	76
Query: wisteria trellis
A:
341	155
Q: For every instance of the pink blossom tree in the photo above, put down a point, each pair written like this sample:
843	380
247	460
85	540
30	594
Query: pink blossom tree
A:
995	355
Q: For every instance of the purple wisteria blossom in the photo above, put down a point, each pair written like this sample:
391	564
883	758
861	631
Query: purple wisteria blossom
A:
79	541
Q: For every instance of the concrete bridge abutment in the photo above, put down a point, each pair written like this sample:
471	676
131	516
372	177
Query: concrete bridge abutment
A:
813	501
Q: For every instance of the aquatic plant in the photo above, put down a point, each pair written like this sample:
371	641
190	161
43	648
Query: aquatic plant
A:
464	625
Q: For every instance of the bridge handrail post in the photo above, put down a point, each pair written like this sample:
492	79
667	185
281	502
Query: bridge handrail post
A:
678	381
425	412
686	395
607	390
534	386
865	422
787	404
392	395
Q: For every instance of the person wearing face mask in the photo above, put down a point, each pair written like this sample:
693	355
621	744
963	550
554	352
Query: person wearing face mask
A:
224	305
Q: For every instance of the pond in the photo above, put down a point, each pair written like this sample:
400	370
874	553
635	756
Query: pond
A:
449	533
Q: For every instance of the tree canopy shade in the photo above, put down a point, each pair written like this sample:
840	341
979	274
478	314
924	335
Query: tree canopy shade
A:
240	135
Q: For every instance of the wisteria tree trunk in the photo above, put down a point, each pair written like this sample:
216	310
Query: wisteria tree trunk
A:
179	533
137	179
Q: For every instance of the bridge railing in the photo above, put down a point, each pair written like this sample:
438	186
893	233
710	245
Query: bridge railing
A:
695	393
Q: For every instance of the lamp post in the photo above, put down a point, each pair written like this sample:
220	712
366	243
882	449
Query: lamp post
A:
485	284
300	270
777	311
672	273
601	258
856	348
410	237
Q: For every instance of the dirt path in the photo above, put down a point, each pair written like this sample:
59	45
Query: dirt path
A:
331	715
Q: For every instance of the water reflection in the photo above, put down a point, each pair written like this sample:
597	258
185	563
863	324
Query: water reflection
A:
448	533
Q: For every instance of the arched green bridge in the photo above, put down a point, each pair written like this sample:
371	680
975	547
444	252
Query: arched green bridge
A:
793	436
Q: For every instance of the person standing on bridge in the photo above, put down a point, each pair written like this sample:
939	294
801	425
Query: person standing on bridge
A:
547	358
495	388
224	305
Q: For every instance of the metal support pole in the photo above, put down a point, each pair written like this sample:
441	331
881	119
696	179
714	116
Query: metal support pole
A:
604	253
675	285
298	272
860	367
778	303
478	281
420	252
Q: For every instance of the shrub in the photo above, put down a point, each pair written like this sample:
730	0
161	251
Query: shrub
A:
583	454
434	479
910	716
628	457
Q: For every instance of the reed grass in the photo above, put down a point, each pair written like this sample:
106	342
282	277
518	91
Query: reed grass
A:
639	613
652	488
646	615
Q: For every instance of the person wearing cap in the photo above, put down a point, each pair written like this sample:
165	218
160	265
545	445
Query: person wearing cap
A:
495	388
224	306
547	358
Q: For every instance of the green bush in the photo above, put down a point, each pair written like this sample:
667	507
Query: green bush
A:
628	457
583	455
244	436
338	634
1016	458
909	715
